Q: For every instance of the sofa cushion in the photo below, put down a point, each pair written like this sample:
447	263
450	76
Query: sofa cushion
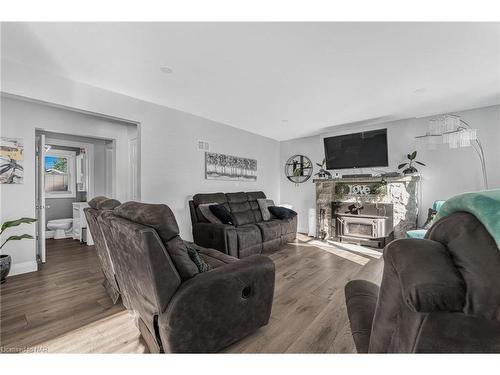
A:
257	215
287	225
248	235
215	258
209	198
243	217
158	216
270	230
240	208
264	205
199	199
238	197
253	198
108	204
221	213
254	195
282	212
162	219
208	214
249	251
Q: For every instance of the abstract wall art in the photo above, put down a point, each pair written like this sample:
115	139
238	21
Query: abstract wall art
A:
227	167
11	160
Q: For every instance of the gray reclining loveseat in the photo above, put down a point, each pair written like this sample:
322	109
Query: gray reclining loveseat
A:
96	206
180	308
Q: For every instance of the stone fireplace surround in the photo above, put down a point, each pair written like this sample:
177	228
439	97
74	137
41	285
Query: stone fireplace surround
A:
402	192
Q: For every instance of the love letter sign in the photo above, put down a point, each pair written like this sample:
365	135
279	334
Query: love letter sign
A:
359	190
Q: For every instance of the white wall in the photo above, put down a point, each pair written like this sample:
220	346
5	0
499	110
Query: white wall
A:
20	119
448	171
171	168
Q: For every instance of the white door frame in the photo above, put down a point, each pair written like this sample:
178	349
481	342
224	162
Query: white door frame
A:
40	196
133	185
110	161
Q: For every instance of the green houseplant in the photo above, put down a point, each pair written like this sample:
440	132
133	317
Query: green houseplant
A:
323	173
410	167
5	260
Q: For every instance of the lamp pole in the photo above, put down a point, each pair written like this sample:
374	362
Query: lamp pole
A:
480	152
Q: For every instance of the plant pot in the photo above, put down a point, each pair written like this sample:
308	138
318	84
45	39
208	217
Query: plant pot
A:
411	170
5	262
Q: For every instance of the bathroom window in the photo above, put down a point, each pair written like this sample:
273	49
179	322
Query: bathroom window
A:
60	174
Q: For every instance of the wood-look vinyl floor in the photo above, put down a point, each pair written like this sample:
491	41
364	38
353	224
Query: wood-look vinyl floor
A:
63	308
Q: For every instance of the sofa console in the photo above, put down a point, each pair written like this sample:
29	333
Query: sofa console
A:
252	235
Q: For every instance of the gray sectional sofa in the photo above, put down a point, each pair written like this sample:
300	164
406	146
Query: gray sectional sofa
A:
251	235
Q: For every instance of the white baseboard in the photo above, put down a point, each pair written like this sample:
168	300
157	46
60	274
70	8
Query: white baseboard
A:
25	267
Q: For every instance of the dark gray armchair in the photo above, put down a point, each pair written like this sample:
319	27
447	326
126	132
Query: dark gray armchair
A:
179	308
95	209
440	294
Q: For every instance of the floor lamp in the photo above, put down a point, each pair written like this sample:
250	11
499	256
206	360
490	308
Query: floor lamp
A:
455	132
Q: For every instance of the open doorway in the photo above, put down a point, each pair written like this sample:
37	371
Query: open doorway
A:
70	171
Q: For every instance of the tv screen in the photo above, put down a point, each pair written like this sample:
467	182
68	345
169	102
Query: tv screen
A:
357	150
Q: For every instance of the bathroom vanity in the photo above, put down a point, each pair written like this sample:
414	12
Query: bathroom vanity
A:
80	231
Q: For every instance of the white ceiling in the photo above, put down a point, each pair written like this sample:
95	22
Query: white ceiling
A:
254	76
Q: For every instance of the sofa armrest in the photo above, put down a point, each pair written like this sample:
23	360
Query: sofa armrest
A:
428	277
361	301
458	333
218	307
221	237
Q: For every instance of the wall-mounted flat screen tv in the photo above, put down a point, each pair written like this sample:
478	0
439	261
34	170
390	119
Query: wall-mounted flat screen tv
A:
357	150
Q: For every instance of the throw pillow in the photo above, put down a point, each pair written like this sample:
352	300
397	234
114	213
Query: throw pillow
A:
196	257
264	205
282	212
207	214
221	212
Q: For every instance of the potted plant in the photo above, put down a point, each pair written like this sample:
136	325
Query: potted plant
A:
323	173
5	260
410	168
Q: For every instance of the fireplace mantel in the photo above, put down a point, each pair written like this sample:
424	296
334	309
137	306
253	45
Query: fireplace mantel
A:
401	191
369	179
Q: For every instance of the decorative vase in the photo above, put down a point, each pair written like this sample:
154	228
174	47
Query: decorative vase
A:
5	262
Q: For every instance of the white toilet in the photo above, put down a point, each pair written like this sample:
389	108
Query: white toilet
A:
62	228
